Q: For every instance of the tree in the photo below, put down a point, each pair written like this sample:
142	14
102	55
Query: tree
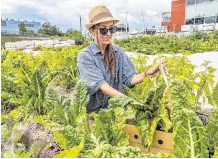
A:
74	34
30	31
22	27
70	30
45	28
49	29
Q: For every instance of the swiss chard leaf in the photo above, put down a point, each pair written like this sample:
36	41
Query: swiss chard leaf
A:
189	136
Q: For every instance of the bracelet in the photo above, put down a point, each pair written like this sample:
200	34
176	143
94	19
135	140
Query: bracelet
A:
145	73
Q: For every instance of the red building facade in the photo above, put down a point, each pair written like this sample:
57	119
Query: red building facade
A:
177	16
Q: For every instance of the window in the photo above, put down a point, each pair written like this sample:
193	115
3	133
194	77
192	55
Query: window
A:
200	1
199	20
3	23
29	25
190	2
210	19
166	19
189	21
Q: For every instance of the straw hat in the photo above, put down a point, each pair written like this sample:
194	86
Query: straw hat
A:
100	14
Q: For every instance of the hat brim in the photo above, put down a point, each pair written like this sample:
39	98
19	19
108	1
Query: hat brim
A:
88	26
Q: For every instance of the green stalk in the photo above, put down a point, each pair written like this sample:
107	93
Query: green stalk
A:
26	75
191	140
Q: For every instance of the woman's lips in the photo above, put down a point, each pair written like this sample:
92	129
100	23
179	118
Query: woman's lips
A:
106	39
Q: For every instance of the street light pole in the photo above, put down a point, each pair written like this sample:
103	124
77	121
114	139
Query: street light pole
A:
195	13
126	23
80	19
143	21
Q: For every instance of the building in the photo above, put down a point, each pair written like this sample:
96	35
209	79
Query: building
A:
12	26
148	31
121	27
190	12
121	30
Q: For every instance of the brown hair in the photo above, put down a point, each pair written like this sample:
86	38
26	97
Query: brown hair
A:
108	57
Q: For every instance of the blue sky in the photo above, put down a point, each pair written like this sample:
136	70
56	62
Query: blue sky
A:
65	13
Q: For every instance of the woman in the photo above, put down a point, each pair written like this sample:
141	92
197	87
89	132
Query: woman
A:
103	66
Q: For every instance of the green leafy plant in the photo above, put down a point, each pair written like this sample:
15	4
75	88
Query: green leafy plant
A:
150	45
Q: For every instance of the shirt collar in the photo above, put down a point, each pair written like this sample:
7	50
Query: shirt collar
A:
96	50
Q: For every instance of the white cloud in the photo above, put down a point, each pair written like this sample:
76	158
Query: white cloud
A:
66	12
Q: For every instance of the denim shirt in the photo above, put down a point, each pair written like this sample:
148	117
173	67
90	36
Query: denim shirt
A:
92	70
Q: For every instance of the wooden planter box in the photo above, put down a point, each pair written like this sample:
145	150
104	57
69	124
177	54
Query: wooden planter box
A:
162	142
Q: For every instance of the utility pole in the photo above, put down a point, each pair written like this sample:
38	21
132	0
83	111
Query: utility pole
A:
80	19
126	23
143	21
195	13
216	13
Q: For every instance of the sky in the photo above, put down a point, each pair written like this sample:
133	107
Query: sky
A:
65	13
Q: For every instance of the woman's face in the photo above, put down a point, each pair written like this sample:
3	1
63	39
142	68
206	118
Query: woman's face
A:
103	39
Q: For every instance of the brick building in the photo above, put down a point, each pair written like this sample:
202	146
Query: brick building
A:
190	12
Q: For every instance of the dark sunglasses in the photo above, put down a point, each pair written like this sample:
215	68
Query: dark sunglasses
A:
104	31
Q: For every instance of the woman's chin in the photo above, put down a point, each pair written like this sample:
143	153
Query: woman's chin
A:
106	42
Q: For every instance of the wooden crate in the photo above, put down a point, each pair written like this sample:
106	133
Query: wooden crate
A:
162	142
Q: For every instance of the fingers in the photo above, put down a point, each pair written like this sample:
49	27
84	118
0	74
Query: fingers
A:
155	69
154	75
162	64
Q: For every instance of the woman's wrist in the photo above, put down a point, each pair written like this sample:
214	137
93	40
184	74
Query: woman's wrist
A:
145	74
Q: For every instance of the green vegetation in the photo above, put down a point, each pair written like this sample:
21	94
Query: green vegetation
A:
22	27
30	95
197	42
48	29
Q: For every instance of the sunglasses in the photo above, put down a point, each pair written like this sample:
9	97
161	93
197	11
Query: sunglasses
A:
104	31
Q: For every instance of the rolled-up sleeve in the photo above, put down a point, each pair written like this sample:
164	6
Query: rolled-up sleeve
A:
128	70
90	73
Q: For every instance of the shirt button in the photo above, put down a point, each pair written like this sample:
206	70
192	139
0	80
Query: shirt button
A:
101	96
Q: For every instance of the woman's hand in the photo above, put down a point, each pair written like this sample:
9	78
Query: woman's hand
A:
154	70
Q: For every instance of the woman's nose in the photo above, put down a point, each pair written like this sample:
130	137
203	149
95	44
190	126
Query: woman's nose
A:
108	33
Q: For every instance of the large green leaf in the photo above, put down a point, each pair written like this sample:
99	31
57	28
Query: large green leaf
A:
19	154
120	138
82	122
155	94
125	101
79	97
178	97
164	122
189	136
215	94
71	153
212	130
208	94
216	153
101	126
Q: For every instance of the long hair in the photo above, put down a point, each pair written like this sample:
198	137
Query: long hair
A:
108	56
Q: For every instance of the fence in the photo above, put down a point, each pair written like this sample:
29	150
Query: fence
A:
33	43
24	34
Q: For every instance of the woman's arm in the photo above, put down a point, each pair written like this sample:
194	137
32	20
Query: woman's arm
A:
108	90
152	72
138	78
